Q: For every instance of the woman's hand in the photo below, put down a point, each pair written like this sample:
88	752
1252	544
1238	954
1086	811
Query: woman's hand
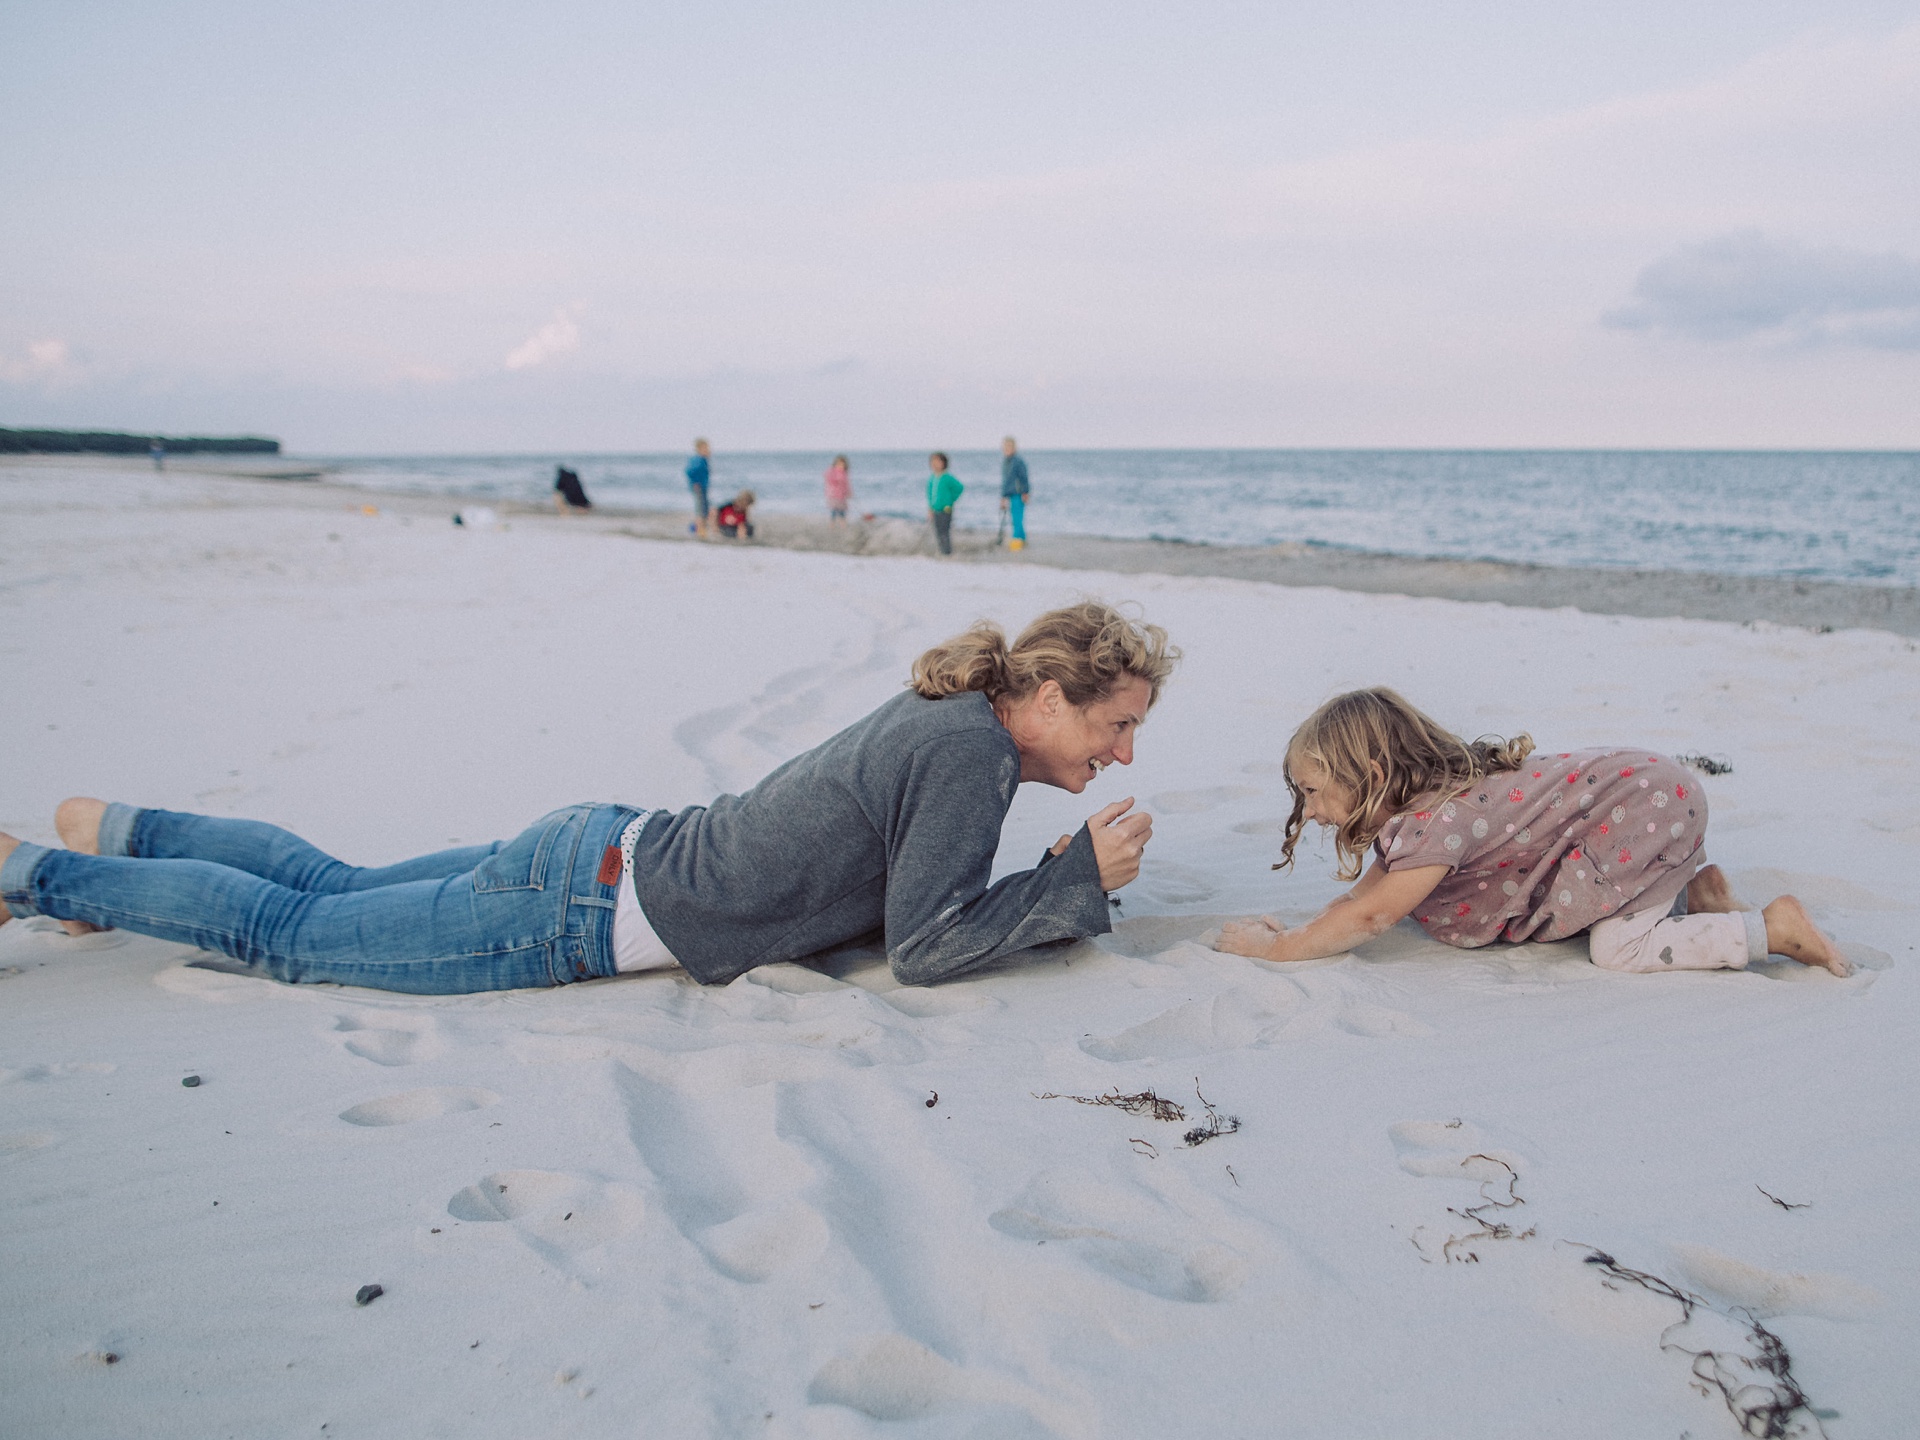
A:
1118	839
1252	938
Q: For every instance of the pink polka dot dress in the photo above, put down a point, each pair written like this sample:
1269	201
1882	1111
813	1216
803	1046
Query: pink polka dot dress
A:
1545	851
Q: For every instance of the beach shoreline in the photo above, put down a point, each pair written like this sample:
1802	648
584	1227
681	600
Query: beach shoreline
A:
1649	594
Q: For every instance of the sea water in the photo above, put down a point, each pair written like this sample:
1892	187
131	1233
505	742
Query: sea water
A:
1848	516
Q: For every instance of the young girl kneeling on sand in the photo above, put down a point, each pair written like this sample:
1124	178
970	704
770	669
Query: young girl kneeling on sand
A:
1487	841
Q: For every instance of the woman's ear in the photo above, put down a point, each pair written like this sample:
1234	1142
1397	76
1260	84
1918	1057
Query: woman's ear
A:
1050	699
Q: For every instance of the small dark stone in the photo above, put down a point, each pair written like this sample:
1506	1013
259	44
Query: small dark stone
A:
367	1294
191	1081
109	1358
934	1100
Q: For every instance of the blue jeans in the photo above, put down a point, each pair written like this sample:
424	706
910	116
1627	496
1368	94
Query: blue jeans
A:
1017	513
517	913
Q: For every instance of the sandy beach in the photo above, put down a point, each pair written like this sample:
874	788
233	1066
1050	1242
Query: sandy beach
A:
814	1203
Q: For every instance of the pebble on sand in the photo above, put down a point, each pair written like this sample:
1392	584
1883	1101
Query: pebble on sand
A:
367	1294
191	1081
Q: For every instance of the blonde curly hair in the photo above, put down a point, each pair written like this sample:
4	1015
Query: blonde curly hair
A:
1387	754
1086	649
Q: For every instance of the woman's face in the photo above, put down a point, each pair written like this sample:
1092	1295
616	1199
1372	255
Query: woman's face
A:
1067	745
1327	803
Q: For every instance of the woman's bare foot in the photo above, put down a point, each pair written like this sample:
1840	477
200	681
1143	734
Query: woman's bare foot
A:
8	844
1710	893
78	821
1791	932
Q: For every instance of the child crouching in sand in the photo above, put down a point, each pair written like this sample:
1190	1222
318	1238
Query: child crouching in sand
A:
1487	841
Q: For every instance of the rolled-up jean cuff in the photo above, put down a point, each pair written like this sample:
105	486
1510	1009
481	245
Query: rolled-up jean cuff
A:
1756	934
16	876
116	829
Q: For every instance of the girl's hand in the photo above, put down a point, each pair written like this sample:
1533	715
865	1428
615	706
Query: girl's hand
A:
1253	938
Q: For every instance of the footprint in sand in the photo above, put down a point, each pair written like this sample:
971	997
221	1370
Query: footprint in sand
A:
410	1106
1167	882
1129	1236
215	986
25	1142
1259	827
555	1212
1357	1017
1767	1293
1819	892
739	1209
1451	1150
891	1378
1234	1020
386	1043
758	1245
58	1071
1196	802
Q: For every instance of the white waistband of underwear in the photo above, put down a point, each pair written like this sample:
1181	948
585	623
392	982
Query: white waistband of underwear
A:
635	945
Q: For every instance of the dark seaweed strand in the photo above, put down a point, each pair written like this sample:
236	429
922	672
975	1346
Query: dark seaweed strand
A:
1216	1126
1490	1228
1143	1102
1773	1413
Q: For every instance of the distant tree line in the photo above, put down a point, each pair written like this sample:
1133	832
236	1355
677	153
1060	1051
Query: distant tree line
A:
111	442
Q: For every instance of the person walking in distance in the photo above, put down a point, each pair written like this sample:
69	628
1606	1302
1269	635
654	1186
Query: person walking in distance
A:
1014	489
699	475
943	490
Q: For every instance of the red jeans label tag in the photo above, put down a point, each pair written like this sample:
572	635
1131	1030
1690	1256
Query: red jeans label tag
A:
610	866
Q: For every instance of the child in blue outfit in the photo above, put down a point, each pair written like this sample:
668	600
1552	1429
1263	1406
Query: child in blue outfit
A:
1014	489
699	473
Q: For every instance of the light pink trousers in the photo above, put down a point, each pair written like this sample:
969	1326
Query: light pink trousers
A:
1658	941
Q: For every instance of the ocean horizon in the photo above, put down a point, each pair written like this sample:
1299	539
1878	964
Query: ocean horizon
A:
1848	516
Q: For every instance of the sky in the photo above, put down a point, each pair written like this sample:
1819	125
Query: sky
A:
388	226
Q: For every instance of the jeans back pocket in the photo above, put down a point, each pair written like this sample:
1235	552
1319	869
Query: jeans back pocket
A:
523	862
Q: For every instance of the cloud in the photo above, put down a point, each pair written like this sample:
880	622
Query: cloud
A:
48	362
1745	285
559	336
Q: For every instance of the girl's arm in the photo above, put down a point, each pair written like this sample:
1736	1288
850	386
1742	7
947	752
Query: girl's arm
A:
1381	900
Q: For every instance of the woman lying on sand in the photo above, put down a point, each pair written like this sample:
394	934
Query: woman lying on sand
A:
1479	843
889	828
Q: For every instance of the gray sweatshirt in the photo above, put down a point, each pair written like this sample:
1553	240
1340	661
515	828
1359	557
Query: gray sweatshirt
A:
889	828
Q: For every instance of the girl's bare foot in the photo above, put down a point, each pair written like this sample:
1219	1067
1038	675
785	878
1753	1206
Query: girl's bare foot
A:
1791	932
78	821
1710	893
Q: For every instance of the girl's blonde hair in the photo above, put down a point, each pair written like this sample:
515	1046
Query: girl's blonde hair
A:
1387	754
1086	649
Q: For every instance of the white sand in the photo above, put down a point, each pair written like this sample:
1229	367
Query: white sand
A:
642	1207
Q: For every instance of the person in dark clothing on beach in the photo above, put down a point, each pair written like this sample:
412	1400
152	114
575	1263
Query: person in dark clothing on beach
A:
569	493
886	832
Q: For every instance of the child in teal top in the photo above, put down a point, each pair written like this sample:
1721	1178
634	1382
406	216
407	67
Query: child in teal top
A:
943	489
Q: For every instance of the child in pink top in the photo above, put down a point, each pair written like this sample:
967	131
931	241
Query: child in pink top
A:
839	491
1488	841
